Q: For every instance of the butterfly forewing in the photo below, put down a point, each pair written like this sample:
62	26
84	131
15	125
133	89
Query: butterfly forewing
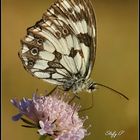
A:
62	44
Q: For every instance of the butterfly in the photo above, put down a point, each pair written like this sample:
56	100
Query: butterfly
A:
61	47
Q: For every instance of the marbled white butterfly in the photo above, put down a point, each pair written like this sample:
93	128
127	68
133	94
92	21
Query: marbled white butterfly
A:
61	47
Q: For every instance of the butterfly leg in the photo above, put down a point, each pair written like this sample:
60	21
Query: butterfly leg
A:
72	99
75	96
88	108
52	90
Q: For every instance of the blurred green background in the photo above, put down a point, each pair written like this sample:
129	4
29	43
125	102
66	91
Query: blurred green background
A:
116	65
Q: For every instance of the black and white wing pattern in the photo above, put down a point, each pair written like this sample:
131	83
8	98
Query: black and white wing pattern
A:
61	46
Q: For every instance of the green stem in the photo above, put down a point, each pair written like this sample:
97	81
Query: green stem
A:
43	137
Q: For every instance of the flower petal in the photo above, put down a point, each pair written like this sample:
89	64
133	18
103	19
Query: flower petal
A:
17	117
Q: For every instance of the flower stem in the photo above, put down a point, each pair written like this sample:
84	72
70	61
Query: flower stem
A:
43	137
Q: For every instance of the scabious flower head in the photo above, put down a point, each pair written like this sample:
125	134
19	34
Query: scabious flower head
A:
53	115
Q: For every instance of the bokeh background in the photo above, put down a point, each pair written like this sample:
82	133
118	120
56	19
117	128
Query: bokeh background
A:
116	65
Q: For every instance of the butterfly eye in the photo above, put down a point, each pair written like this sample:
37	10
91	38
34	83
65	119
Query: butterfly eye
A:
30	63
34	51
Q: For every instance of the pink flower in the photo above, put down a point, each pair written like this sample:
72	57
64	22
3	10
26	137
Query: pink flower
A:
52	115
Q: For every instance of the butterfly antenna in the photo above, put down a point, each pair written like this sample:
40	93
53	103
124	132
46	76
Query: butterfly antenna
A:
115	91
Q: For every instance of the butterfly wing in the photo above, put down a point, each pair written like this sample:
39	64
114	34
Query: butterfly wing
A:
79	15
62	43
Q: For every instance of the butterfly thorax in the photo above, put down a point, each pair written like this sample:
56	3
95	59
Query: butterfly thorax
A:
77	84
